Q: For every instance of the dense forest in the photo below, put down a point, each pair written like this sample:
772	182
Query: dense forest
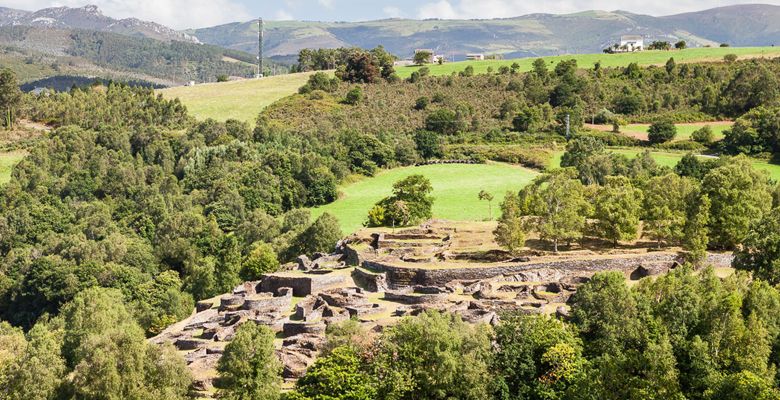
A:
130	210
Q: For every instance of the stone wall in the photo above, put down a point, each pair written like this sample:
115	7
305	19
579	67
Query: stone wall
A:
303	285
403	277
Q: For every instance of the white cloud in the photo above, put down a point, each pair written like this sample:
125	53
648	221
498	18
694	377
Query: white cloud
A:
283	15
179	14
392	12
326	3
466	9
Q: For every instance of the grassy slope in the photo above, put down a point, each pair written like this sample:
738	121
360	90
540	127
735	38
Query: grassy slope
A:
7	163
671	159
241	100
607	60
455	189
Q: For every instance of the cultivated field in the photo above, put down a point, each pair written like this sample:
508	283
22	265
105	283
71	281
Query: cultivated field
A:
455	188
241	100
644	58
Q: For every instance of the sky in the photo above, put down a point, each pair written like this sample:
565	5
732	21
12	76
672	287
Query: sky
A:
182	14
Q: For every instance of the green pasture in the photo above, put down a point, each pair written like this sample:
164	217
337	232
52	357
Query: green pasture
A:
242	100
455	188
643	58
7	163
684	131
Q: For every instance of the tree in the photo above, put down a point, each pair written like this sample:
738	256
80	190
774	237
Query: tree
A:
109	355
703	135
361	67
422	57
339	375
681	45
38	370
696	238
740	195
433	356
589	157
659	45
415	191
558	202
428	144
443	121
261	260
320	237
10	96
661	132
483	195
760	250
249	368
510	232
618	206
536	357
666	200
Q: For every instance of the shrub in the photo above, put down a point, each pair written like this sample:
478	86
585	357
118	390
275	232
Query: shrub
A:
421	103
729	58
354	96
222	78
604	117
703	135
662	132
443	121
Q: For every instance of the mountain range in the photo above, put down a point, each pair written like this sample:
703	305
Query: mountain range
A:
529	35
90	18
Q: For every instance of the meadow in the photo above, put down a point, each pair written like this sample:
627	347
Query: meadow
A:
643	58
670	159
242	100
455	188
684	131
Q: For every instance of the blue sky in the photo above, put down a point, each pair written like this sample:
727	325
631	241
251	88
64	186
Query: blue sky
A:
183	14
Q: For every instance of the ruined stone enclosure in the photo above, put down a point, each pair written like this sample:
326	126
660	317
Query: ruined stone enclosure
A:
378	276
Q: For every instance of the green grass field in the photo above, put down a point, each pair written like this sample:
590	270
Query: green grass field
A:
644	58
670	159
684	131
7	163
241	100
455	188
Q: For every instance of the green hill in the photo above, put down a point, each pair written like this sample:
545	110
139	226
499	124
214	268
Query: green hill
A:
245	99
528	35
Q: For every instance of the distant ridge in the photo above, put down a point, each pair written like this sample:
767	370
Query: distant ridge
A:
90	17
528	35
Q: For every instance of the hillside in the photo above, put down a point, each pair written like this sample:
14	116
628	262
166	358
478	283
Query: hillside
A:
35	53
529	35
245	99
90	17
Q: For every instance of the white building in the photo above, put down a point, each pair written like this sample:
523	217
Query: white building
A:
630	43
475	57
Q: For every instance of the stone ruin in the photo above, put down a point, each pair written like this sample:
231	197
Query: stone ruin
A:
378	277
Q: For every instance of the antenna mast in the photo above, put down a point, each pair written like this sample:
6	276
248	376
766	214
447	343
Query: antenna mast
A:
260	38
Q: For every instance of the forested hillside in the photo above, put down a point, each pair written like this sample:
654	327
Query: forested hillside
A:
114	56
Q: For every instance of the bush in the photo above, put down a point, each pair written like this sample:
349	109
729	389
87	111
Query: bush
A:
354	96
685	145
222	78
604	117
611	138
443	121
703	135
421	103
729	58
662	132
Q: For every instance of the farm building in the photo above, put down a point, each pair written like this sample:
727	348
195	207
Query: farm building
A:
630	43
475	57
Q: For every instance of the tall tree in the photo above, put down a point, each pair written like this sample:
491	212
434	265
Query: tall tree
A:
10	96
666	200
617	209
249	369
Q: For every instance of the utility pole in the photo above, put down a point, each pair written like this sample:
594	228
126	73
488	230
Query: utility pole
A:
260	38
568	126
